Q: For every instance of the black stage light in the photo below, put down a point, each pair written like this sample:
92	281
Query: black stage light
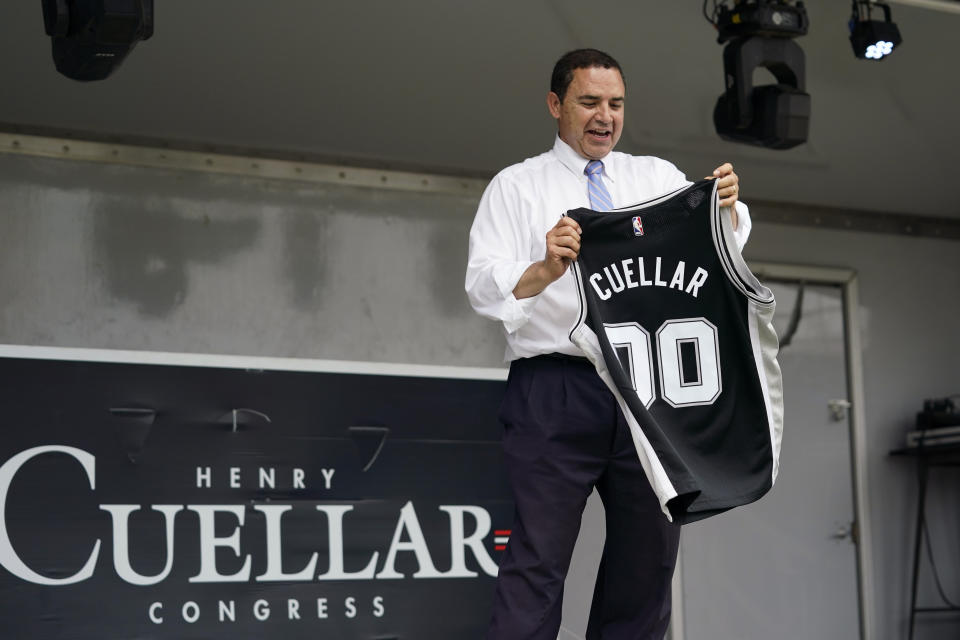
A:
92	37
872	39
775	19
776	116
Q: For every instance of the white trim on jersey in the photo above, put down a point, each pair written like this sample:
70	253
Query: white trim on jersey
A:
734	266
587	340
763	337
584	337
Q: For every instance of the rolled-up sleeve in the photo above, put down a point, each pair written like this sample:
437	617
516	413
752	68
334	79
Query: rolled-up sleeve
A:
744	224
499	255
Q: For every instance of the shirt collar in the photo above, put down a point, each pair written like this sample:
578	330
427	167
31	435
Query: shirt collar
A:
577	163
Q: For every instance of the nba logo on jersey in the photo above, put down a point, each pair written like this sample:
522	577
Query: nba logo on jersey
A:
637	226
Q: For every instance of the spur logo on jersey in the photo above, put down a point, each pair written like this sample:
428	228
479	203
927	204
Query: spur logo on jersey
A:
637	226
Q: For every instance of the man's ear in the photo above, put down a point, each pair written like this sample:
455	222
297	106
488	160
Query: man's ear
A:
553	104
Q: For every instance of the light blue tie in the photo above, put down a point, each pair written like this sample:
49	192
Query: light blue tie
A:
600	199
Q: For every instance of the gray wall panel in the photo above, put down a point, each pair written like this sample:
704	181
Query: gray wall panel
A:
909	310
122	257
98	255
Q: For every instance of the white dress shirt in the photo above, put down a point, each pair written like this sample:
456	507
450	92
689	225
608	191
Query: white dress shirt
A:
519	206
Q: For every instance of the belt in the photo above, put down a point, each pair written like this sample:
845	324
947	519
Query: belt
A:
565	357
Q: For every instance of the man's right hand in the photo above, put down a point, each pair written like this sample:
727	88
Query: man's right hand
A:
563	246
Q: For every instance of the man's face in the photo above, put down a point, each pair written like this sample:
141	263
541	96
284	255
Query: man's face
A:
590	118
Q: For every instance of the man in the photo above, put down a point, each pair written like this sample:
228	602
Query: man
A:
564	433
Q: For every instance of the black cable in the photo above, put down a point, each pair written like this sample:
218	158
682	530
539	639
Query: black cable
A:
858	10
863	9
795	316
711	19
933	566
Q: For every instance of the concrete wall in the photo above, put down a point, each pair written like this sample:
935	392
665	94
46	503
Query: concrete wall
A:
95	255
100	255
910	322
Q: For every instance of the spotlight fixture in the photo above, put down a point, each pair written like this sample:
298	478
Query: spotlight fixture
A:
872	39
92	37
761	32
759	18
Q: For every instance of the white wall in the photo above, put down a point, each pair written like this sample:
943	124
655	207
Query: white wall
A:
910	319
123	257
100	256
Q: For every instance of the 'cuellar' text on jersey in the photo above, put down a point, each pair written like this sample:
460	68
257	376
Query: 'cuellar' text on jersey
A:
631	273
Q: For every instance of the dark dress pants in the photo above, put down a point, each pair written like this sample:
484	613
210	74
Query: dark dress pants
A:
565	434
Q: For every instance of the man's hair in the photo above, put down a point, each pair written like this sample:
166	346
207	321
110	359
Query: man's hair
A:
578	59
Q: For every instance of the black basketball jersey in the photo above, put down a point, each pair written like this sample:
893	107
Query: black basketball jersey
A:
680	330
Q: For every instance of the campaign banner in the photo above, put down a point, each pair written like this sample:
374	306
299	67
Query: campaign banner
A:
170	501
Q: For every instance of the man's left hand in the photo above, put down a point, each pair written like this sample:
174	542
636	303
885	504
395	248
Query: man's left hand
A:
728	188
728	184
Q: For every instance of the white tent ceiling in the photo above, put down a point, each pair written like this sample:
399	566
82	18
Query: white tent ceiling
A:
459	87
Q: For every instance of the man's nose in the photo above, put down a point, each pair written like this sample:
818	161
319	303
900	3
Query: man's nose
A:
603	113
